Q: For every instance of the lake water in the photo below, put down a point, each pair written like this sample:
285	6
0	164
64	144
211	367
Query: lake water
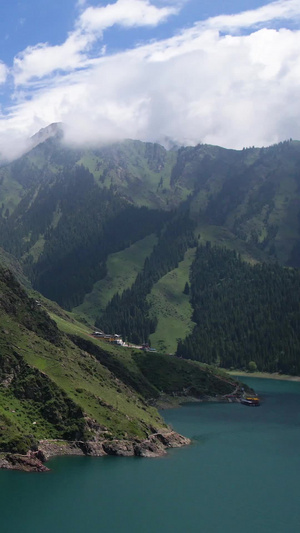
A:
240	475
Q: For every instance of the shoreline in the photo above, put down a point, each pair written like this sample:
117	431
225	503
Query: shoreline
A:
166	403
264	375
156	445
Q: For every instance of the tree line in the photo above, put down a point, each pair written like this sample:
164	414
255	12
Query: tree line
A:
77	225
243	313
128	313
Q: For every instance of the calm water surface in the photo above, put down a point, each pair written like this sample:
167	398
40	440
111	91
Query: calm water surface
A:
240	475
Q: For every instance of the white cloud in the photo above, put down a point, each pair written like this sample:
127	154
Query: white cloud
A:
234	90
127	13
43	59
280	10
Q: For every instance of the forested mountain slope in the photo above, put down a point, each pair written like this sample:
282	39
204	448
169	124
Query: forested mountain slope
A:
54	195
243	313
67	213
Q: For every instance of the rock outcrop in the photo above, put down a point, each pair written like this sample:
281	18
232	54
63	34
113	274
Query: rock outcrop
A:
27	463
154	446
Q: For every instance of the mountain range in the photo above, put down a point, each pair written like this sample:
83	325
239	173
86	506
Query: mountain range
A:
111	233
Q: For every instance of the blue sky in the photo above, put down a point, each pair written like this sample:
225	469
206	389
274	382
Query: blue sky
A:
192	71
24	23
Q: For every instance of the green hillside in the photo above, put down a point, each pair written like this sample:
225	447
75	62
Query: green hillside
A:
59	204
172	307
122	270
82	223
47	377
57	382
130	314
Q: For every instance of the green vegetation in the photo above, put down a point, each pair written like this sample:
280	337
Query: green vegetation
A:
220	236
140	171
65	263
90	229
252	366
47	383
171	306
247	200
129	314
245	314
122	270
171	375
11	193
60	383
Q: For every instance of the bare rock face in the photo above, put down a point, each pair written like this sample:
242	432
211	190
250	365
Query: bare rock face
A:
122	448
27	463
157	443
171	439
53	130
154	446
52	448
94	449
149	448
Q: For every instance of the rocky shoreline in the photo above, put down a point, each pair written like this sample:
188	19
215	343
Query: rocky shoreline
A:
155	445
165	401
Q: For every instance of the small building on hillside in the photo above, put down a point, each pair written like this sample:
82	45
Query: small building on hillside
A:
114	338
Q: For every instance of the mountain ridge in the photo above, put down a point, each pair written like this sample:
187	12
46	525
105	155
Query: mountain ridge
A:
67	212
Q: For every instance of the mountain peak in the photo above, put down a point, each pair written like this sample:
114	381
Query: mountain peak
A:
53	130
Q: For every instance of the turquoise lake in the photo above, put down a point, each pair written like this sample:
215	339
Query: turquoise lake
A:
240	475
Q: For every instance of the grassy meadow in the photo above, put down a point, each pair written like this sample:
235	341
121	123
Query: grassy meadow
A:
122	269
172	307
